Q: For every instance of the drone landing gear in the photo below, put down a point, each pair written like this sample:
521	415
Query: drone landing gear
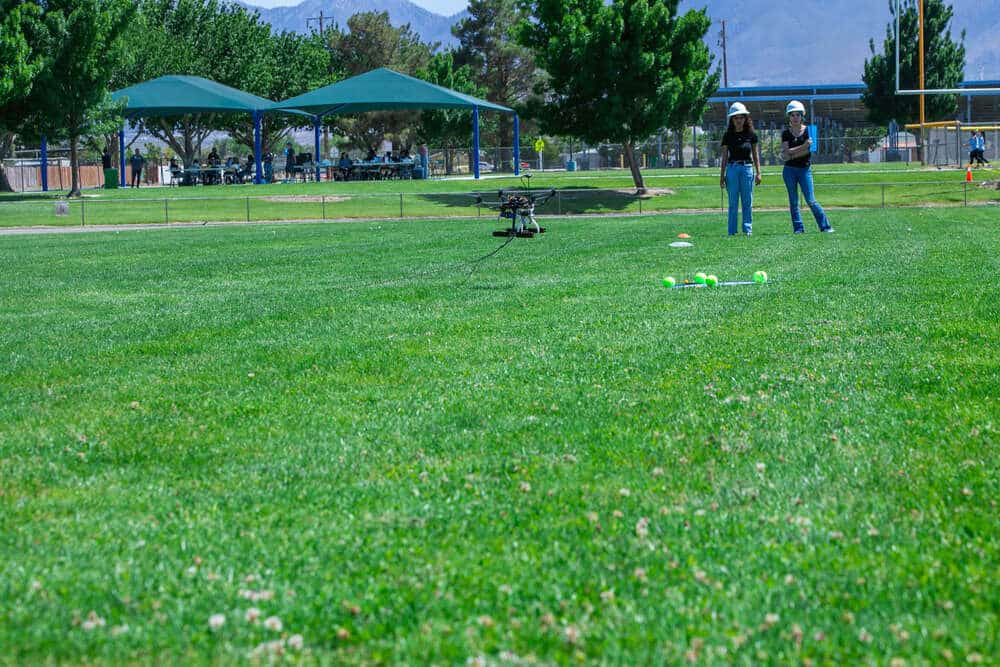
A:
522	234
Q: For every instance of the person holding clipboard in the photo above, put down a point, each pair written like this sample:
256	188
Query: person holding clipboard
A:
796	148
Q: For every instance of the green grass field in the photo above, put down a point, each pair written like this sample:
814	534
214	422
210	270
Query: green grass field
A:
849	185
552	459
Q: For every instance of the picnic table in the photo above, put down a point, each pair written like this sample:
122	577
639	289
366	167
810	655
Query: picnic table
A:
369	171
204	175
209	175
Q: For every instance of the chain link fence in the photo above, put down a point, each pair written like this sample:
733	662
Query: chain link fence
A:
697	148
661	197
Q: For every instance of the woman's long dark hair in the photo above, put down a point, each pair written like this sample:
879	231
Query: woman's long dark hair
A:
747	124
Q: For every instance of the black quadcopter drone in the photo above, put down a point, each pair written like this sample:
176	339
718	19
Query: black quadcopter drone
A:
518	206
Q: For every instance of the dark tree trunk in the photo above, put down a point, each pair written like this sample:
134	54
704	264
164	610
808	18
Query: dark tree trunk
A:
74	166
186	141
6	144
679	143
640	186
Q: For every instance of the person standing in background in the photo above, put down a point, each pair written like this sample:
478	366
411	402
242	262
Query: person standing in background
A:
796	147
981	149
740	166
137	161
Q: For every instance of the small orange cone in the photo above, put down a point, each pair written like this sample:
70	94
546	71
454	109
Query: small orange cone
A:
682	235
968	174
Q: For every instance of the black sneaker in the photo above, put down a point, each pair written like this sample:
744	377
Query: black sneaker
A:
828	230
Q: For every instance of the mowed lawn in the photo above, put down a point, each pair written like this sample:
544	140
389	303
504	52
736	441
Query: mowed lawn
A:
333	442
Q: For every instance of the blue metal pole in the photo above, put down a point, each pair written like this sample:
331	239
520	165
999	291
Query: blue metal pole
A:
475	141
316	142
45	165
517	146
256	148
121	157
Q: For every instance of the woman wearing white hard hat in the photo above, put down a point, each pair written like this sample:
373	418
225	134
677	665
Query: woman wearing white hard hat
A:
740	166
795	151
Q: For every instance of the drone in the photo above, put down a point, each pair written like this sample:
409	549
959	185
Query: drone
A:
518	206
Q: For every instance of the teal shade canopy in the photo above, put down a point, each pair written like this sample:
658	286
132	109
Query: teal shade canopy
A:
383	90
176	95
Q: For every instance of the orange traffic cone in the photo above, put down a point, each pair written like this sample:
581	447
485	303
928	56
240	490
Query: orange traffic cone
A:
968	174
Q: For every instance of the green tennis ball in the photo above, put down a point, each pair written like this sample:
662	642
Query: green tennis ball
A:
668	281
711	281
699	278
760	277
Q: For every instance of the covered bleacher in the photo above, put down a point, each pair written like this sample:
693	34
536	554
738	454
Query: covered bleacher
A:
836	104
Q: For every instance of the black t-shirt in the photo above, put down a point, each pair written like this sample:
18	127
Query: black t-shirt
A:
740	144
792	141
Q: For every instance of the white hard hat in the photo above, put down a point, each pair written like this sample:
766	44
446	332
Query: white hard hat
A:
737	109
795	105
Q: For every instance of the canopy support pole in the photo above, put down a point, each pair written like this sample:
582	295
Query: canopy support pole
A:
316	142
45	164
517	146
121	157
475	141
256	148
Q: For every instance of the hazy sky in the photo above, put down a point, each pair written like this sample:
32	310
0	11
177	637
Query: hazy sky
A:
443	7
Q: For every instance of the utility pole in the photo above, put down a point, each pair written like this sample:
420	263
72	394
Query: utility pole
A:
920	41
322	32
725	69
326	131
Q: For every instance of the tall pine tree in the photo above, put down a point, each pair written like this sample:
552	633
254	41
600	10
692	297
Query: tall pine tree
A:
944	66
504	68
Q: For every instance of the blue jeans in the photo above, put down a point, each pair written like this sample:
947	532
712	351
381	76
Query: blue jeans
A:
801	177
739	185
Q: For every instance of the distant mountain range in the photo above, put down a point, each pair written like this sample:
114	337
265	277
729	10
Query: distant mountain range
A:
788	43
785	43
304	17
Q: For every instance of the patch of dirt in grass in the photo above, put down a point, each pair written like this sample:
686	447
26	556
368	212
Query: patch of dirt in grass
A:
301	199
991	185
650	192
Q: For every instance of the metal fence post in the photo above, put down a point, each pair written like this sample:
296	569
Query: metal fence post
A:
965	190
166	211
401	204
883	195
248	209
558	202
83	212
639	197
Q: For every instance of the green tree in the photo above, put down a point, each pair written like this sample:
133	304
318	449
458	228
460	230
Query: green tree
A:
944	66
227	43
504	68
616	72
291	64
371	42
70	97
20	59
448	129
